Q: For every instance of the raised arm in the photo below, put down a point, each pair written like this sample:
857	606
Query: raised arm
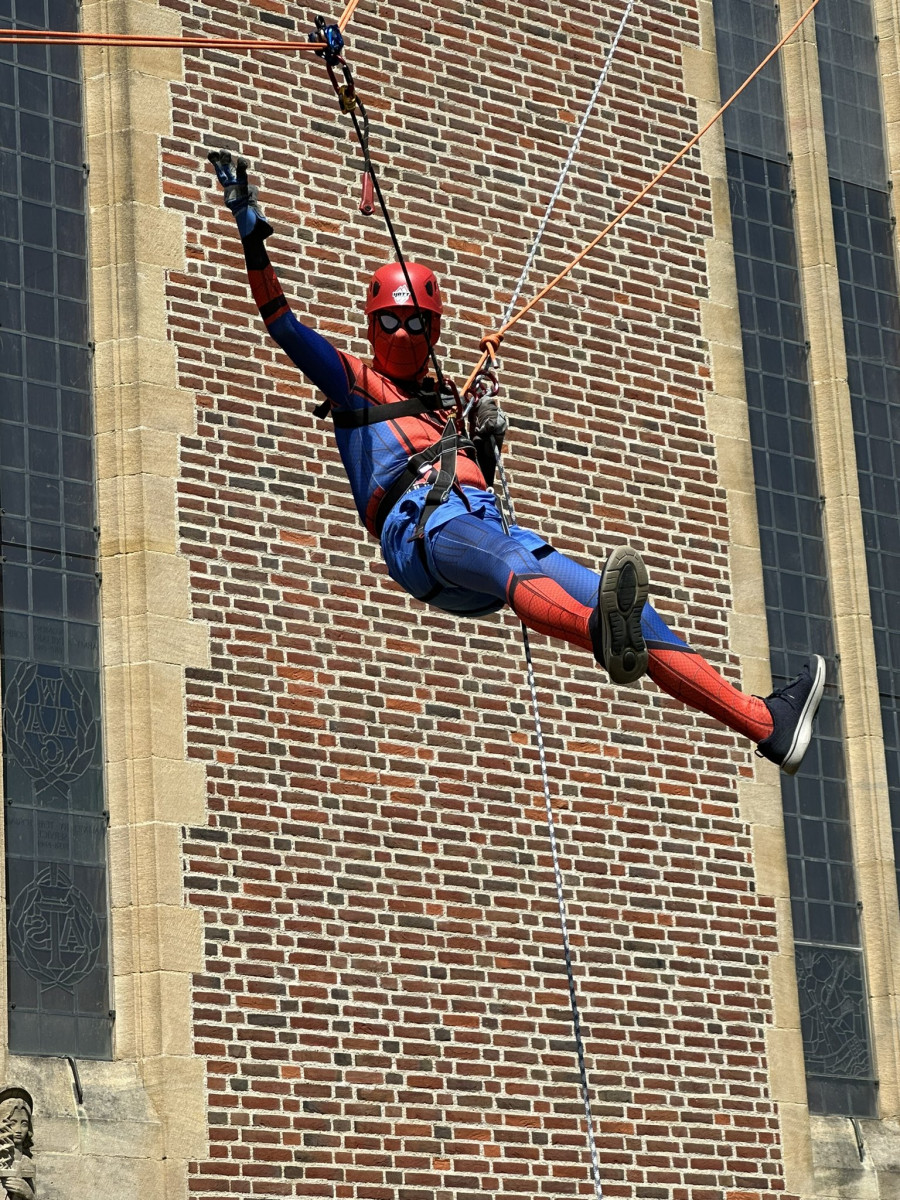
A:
312	353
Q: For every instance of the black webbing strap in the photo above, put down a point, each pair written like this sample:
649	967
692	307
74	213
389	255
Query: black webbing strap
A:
443	452
430	402
352	418
447	447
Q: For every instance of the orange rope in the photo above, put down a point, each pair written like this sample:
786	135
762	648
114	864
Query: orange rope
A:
49	37
490	344
345	16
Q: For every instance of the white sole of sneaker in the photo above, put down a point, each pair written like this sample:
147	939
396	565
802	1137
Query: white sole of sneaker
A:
803	732
623	592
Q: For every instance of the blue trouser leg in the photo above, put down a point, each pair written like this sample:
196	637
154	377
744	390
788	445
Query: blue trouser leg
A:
470	552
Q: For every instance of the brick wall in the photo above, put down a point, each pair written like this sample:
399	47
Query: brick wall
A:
384	1008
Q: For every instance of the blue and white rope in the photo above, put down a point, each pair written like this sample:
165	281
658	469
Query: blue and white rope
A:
570	159
526	642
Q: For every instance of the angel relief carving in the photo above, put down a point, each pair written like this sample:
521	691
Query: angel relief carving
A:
16	1140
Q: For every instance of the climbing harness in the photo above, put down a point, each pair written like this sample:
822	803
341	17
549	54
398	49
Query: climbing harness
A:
441	454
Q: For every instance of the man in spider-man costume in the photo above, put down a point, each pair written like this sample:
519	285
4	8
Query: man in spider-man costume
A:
424	492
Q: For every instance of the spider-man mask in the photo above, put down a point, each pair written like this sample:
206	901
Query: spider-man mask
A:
399	343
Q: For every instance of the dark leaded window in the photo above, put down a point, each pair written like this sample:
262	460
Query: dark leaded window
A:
52	767
864	236
851	96
830	973
745	33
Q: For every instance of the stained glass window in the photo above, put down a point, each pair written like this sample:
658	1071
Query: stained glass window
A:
59	987
798	603
851	95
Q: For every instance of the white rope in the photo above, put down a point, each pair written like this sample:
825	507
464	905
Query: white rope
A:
557	871
539	734
570	158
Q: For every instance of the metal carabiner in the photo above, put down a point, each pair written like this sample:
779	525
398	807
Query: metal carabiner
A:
449	397
484	384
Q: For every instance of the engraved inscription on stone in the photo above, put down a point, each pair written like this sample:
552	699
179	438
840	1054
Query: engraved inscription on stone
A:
51	727
16	1139
53	931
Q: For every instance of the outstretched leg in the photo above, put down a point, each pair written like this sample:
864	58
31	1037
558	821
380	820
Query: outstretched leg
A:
557	596
473	553
781	725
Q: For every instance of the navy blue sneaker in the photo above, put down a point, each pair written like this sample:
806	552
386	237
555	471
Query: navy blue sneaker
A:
615	624
793	710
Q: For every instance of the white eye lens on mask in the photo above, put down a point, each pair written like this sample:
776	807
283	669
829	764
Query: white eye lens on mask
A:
390	323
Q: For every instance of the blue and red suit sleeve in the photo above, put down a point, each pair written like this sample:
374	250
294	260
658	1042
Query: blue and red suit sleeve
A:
322	365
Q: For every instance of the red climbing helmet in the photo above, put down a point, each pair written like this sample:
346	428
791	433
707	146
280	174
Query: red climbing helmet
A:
388	289
399	342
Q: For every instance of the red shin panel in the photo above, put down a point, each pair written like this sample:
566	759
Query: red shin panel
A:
542	605
267	293
691	679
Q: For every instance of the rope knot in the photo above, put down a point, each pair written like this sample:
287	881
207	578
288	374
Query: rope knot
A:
490	344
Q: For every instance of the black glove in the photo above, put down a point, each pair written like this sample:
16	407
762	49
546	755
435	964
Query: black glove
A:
241	198
488	422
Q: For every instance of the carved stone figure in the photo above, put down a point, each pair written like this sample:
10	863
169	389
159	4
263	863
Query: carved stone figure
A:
16	1140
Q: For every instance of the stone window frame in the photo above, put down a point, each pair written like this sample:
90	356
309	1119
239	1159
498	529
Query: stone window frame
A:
56	812
813	1145
154	1089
